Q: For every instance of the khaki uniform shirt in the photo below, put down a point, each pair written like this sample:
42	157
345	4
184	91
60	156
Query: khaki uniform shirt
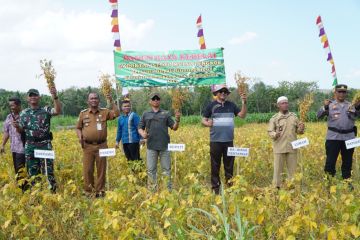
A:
287	125
93	124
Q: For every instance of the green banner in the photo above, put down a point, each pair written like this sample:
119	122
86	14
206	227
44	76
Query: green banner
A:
171	68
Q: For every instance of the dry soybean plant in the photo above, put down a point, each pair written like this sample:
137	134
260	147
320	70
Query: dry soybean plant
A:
304	106
178	98
105	84
356	98
48	72
242	82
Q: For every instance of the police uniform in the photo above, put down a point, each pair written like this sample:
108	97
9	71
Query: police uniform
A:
288	127
341	127
93	126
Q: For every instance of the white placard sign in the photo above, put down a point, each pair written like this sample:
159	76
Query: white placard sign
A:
107	152
238	152
49	154
352	143
176	147
302	142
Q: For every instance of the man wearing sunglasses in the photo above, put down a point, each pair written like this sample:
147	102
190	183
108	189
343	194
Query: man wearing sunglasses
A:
341	127
219	116
153	127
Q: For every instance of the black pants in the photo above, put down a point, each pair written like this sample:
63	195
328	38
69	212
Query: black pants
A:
333	148
218	150
132	151
20	169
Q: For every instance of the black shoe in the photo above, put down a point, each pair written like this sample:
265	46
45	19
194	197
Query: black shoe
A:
100	195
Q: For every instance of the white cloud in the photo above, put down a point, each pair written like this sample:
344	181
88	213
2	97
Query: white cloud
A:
80	43
246	37
353	74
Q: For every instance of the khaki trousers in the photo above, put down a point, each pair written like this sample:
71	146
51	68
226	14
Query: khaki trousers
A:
279	160
91	158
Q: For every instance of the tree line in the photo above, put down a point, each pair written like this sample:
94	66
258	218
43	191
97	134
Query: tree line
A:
261	98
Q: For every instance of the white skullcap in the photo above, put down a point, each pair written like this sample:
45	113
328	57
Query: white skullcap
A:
281	99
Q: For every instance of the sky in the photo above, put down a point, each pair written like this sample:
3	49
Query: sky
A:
266	39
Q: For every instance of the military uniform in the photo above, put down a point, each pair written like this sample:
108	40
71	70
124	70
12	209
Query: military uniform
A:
288	127
36	124
341	127
93	126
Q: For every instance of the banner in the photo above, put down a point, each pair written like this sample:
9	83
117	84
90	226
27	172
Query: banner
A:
171	68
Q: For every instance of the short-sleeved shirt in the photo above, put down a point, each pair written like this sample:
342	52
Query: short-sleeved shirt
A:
16	145
341	115
93	125
156	124
36	124
222	115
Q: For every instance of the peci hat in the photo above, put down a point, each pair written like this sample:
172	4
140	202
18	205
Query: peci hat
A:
282	99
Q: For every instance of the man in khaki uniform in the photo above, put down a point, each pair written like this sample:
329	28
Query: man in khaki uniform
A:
283	128
91	130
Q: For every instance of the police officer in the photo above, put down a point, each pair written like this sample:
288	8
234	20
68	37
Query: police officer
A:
91	130
35	121
283	128
341	127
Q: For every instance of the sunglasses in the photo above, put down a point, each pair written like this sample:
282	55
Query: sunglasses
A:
156	98
223	91
341	91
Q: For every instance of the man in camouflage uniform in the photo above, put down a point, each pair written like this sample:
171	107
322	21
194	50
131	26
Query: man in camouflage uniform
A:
341	116
35	122
91	130
283	128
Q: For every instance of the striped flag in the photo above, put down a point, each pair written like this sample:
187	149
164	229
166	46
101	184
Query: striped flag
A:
200	33
325	42
115	24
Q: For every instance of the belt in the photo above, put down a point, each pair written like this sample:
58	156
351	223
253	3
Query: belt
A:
95	143
341	131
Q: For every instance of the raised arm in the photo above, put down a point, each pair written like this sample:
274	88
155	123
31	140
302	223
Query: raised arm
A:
57	103
242	113
324	110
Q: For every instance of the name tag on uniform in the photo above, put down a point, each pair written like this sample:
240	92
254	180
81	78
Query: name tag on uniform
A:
107	152
44	154
237	152
98	126
172	147
300	143
352	143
